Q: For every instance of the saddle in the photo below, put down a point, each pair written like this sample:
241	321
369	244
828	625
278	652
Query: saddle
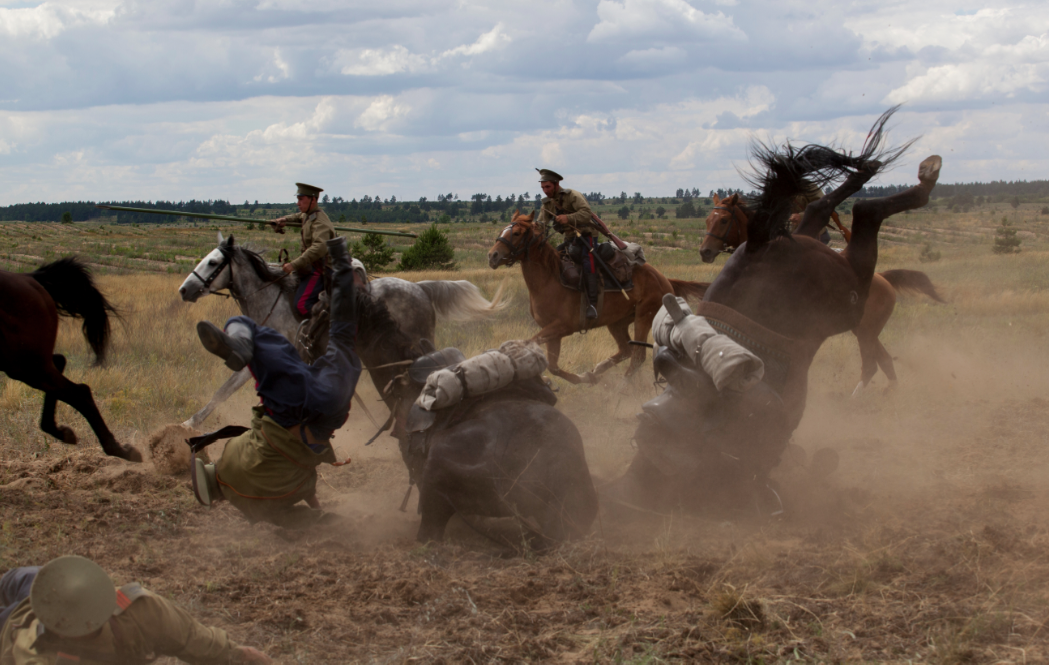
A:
311	339
621	263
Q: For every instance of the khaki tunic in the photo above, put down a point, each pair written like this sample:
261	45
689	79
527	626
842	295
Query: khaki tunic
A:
317	230
267	470
150	627
572	203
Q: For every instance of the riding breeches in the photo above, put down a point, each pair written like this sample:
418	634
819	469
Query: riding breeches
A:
14	588
587	245
309	291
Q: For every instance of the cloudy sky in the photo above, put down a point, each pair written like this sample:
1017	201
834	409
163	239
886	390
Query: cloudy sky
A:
237	99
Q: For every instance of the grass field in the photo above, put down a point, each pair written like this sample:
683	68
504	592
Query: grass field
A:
927	545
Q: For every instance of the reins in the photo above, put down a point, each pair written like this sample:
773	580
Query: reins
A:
515	252
227	262
733	220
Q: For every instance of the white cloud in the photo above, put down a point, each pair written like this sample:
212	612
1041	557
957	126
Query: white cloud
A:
381	113
659	19
652	57
48	20
493	39
380	62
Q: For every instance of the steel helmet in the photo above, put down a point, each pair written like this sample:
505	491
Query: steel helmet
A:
72	596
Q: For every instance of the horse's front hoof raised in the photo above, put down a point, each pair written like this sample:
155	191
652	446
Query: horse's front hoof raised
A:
68	435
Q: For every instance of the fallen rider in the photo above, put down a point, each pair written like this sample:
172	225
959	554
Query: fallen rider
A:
69	611
267	470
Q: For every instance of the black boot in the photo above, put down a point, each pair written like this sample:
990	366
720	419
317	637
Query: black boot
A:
343	295
235	345
592	292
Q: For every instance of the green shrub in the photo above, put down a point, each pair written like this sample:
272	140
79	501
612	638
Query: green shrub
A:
373	252
1005	240
927	254
431	251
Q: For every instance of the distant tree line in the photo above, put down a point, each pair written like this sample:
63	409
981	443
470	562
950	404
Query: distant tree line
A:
998	190
82	211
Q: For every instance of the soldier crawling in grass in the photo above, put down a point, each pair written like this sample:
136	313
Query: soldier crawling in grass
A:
313	264
571	215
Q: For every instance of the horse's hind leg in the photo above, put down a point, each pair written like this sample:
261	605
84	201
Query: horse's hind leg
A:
47	416
885	362
869	358
620	331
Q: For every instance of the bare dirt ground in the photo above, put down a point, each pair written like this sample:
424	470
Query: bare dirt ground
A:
927	545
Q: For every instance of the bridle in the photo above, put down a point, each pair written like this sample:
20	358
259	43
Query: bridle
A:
737	216
518	252
227	260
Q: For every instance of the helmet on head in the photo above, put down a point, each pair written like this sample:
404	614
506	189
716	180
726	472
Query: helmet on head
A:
72	596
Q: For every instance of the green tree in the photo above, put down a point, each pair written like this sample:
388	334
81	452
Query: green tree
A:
686	210
373	252
431	251
67	217
928	255
660	211
1005	240
364	219
1015	203
623	212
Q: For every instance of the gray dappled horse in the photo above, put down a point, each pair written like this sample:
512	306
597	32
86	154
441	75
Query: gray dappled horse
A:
265	294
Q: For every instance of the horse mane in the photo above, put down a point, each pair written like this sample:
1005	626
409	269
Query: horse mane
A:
529	221
262	268
780	173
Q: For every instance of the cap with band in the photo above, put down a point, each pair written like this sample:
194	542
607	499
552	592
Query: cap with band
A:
307	190
546	175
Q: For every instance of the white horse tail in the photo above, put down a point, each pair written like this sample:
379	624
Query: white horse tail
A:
460	300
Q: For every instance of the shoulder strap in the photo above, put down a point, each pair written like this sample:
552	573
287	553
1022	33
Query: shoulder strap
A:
126	595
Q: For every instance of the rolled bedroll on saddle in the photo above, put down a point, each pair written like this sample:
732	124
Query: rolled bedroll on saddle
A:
514	360
731	366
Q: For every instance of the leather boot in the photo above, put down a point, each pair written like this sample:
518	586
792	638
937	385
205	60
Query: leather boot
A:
343	293
205	484
592	292
235	345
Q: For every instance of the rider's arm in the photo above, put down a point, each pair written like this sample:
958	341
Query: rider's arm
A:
581	217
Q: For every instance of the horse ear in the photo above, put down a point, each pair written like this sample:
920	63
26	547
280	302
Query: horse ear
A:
221	239
717	199
734	199
530	216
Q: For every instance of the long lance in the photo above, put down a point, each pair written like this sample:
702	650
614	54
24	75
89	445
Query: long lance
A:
227	218
603	228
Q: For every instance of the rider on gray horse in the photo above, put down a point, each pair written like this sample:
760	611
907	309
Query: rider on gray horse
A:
314	262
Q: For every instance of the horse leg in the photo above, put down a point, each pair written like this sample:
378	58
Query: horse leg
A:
551	336
232	385
436	511
621	334
642	327
885	362
47	416
869	357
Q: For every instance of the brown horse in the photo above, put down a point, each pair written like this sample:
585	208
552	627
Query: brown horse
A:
29	308
725	231
556	308
781	296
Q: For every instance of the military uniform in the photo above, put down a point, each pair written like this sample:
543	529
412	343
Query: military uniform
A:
812	193
580	233
572	203
311	264
143	627
270	468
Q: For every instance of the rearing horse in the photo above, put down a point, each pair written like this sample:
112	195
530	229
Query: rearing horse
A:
555	307
727	228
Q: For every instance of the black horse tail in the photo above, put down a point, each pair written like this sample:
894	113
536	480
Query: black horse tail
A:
780	173
912	280
71	286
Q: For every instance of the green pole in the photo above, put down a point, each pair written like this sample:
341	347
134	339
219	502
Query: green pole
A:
227	218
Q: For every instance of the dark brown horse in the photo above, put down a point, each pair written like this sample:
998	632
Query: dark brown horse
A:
727	229
555	307
781	295
29	308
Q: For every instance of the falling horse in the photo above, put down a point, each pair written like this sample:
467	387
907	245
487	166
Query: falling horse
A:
555	307
781	296
727	228
265	294
30	305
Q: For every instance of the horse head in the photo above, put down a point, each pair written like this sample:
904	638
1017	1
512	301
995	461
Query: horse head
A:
726	227
211	274
515	240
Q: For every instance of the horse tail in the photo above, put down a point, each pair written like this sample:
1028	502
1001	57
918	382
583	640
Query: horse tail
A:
684	289
912	280
71	286
460	300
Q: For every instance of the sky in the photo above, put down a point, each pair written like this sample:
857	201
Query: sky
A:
239	99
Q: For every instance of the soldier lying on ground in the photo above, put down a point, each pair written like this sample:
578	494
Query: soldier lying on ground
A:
70	612
267	470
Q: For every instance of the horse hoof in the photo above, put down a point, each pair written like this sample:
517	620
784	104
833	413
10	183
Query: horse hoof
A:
859	388
129	453
68	436
929	170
